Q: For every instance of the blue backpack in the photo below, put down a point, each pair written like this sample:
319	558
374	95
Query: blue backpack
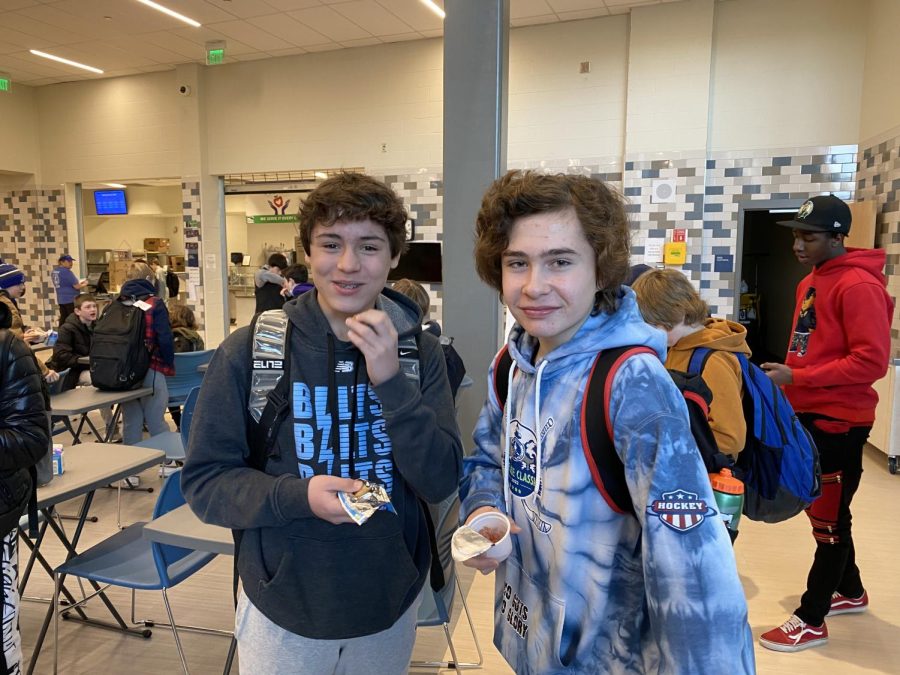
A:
779	463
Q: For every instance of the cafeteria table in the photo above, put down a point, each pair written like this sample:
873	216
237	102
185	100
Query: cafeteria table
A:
87	467
82	400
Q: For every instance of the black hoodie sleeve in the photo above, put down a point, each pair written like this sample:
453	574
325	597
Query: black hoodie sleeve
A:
216	481
421	422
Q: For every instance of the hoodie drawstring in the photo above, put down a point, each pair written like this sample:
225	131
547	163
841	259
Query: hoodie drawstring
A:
334	411
507	422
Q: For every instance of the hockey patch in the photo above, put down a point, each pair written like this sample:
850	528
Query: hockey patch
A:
681	510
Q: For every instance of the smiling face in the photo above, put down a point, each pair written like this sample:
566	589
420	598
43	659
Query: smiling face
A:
814	248
349	262
549	276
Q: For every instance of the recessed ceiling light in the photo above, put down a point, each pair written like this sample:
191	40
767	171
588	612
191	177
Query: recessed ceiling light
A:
66	61
430	4
170	12
115	185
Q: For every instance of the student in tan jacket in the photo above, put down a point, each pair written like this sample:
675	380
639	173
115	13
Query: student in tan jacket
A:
12	287
668	301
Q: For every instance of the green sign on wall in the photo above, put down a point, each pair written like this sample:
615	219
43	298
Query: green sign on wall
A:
281	218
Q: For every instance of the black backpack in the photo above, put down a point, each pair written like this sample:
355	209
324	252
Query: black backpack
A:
119	355
604	463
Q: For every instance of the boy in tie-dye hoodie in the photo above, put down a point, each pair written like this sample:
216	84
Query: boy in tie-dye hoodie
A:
588	589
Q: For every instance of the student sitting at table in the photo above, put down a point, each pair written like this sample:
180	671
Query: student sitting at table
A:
74	343
12	287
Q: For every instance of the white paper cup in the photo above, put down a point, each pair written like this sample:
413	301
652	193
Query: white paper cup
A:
495	520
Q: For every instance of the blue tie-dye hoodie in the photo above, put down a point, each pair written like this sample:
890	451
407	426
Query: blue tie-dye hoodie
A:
586	589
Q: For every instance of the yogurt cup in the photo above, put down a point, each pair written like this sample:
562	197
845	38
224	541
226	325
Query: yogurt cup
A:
499	523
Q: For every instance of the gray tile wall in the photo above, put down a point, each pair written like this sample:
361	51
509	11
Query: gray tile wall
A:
32	236
878	179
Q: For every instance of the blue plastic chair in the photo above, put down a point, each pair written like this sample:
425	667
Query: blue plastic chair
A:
129	560
186	375
437	606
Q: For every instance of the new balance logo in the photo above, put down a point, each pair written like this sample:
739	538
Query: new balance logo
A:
343	367
268	364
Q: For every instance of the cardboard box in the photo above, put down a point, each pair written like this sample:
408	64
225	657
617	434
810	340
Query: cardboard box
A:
176	263
118	269
156	245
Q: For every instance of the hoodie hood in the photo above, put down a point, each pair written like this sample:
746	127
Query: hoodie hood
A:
718	334
866	260
137	288
625	327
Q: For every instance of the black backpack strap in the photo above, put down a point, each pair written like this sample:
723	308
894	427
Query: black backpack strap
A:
605	465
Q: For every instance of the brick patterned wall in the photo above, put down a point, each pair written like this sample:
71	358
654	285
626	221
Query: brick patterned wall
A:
32	236
878	179
709	192
423	196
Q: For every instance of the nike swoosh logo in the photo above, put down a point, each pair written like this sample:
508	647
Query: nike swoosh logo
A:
405	353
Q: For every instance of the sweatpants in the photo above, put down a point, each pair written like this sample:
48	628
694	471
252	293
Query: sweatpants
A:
834	566
265	648
12	642
150	410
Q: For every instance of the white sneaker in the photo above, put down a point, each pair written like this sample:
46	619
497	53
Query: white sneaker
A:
130	482
168	468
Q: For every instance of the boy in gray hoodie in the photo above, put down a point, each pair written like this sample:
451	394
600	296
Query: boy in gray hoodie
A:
320	593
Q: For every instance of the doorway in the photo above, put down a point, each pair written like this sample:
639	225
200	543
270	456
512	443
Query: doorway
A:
766	278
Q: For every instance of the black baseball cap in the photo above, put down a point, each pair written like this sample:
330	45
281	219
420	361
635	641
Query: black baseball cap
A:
825	213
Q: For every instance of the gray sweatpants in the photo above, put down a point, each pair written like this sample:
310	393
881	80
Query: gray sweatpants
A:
150	410
267	649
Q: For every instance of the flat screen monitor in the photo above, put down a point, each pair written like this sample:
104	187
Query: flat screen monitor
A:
110	202
421	262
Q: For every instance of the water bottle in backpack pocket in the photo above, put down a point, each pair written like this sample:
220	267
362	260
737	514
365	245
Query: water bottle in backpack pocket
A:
119	355
779	463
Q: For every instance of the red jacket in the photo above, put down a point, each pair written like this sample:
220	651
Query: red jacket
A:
841	341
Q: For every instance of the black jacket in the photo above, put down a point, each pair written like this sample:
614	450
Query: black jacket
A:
73	342
24	426
268	296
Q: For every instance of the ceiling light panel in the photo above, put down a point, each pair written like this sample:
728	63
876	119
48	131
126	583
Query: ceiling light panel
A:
68	62
170	12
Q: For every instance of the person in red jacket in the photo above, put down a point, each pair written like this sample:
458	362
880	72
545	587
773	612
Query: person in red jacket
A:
840	346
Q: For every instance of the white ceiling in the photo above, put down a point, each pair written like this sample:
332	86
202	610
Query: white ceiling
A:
124	37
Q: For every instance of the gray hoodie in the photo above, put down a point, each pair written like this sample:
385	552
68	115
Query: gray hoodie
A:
310	577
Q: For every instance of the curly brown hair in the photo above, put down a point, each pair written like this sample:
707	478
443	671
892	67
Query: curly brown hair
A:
600	211
353	197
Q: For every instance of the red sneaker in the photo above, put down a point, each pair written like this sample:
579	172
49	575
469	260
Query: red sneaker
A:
794	635
841	604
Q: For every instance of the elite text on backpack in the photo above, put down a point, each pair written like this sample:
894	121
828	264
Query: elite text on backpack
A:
779	463
119	354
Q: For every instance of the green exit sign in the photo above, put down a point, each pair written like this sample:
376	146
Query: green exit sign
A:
5	84
215	56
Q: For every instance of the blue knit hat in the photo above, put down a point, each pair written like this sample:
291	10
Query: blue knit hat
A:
10	275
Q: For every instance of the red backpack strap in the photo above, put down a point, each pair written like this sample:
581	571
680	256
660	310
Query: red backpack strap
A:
604	463
502	364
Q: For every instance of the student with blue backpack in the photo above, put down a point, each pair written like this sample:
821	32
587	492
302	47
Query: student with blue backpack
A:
668	301
840	346
592	585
